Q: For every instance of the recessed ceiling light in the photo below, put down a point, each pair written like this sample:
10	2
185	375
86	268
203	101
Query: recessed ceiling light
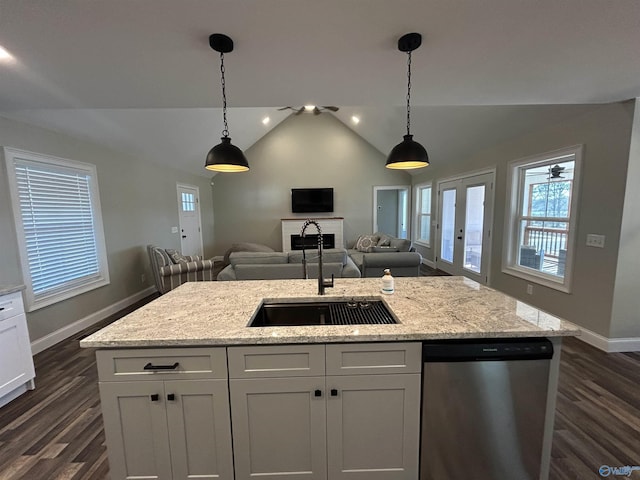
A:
309	108
266	120
355	119
5	56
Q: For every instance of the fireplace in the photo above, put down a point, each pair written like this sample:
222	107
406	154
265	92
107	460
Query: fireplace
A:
311	241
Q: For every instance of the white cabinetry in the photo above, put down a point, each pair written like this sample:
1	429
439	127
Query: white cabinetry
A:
169	419
16	362
345	411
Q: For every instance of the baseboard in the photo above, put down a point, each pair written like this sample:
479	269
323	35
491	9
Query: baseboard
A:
67	331
610	345
429	263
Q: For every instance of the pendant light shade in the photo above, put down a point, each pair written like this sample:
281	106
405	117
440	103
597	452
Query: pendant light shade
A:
224	157
408	154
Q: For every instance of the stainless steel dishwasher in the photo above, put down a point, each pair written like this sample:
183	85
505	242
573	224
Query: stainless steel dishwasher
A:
483	408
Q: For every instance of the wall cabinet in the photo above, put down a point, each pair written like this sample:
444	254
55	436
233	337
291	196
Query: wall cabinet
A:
168	421
16	362
347	411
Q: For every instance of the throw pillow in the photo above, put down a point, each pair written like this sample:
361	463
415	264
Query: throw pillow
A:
385	240
177	257
365	243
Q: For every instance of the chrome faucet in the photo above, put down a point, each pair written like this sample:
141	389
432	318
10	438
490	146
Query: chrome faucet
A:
322	283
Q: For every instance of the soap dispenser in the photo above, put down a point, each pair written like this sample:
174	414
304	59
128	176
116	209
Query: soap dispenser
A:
387	282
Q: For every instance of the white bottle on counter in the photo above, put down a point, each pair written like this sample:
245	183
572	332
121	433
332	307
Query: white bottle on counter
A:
387	282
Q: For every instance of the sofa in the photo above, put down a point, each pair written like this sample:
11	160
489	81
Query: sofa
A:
372	254
287	265
171	269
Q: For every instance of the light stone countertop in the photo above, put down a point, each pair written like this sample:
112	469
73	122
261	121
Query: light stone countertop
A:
6	289
216	313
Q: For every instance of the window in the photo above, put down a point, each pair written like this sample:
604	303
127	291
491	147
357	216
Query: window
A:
56	208
541	222
423	214
188	202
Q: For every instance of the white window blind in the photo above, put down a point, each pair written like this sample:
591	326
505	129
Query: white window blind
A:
62	243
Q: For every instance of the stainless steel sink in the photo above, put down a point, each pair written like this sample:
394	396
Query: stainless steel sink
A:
356	311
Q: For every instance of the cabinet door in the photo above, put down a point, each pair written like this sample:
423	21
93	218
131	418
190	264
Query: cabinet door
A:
279	428
373	425
16	363
199	429
135	424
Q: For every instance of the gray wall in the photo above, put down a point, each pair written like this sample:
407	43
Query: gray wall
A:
625	320
605	132
139	206
303	151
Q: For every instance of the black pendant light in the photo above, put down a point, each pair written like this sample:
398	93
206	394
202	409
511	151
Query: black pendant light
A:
224	157
408	154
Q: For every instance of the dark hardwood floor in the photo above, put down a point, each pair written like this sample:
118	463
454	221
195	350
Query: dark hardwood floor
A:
55	432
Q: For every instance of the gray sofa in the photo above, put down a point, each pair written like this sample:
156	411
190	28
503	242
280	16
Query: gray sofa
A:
284	265
380	251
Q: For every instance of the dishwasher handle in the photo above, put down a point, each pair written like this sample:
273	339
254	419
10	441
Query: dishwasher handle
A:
487	350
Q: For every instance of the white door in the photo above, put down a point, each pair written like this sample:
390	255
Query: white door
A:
465	212
189	218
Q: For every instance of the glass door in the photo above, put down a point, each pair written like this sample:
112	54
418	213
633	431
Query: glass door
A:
464	215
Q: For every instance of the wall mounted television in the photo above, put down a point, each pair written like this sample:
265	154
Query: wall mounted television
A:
311	200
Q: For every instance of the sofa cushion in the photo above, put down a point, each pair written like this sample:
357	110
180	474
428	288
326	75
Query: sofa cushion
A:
330	255
245	247
401	244
243	258
279	272
379	249
356	257
366	242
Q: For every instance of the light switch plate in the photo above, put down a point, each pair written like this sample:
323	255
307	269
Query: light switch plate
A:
174	229
594	240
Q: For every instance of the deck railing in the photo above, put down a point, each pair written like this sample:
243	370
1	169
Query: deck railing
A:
550	240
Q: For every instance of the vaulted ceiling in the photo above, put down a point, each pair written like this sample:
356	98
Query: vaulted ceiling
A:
140	77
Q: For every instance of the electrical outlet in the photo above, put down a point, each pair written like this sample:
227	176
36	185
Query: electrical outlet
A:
529	289
143	278
594	240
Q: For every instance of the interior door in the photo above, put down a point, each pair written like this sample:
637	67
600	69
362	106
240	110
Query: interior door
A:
189	218
465	211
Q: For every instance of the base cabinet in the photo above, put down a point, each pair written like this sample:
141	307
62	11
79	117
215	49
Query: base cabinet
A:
335	427
166	429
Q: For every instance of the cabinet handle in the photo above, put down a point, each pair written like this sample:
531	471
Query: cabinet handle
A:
155	397
150	366
171	397
334	392
318	393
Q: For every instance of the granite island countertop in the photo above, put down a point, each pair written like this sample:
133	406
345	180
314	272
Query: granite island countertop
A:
217	313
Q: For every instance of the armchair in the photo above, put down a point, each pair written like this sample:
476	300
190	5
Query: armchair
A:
169	274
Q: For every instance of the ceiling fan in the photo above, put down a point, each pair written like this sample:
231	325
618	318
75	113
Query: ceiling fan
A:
311	108
556	171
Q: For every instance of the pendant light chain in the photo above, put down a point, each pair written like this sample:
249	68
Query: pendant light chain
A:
225	132
408	92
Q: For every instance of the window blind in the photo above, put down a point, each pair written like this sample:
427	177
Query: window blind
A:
59	226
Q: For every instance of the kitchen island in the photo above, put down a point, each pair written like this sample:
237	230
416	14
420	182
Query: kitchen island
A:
305	402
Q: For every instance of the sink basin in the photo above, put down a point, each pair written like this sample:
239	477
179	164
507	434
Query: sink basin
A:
356	311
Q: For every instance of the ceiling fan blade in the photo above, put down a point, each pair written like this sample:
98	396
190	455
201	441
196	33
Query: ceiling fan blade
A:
299	111
316	111
332	108
285	108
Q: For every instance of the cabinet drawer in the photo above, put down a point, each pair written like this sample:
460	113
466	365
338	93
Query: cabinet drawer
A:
11	305
276	361
160	363
373	358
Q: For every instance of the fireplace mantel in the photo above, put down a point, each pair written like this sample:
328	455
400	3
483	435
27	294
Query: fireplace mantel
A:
329	225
